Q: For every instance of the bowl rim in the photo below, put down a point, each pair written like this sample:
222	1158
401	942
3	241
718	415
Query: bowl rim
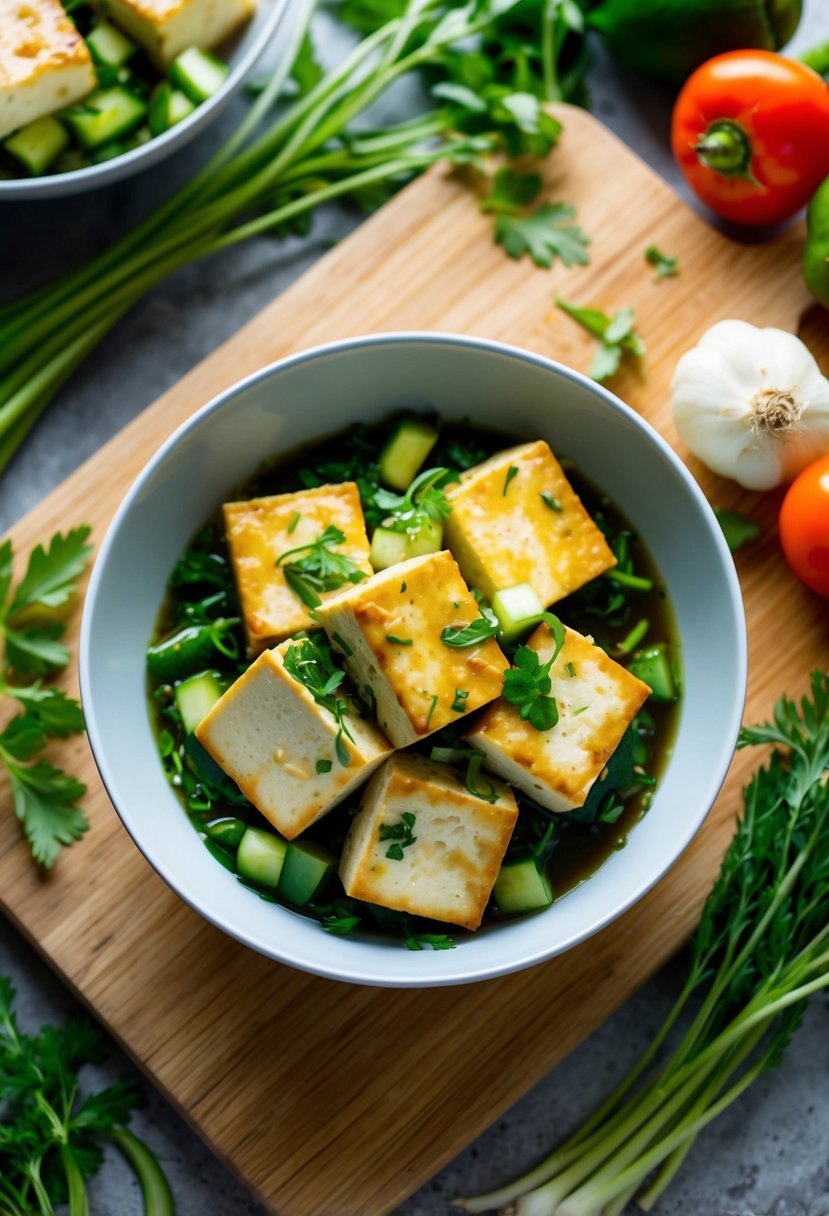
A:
717	769
155	150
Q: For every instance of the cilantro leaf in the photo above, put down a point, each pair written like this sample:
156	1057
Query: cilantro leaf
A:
527	684
59	715
667	267
52	574
311	662
45	802
319	568
479	630
616	336
23	737
36	650
546	234
423	503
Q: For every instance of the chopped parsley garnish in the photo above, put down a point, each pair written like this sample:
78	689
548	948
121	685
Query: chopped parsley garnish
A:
396	641
438	941
547	233
527	684
403	586
570	669
319	568
473	633
400	834
512	471
340	925
324	766
477	785
459	703
423	504
310	662
737	529
615	334
432	707
295	518
666	267
551	501
342	643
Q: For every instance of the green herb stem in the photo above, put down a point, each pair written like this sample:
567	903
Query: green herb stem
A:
75	1185
155	1189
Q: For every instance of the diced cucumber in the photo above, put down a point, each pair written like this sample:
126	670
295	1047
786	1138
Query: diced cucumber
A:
517	608
108	45
389	547
167	107
196	696
308	866
104	115
521	887
653	666
199	74
261	856
227	832
38	144
409	445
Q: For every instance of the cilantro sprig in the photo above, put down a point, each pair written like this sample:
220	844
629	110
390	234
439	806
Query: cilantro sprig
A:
45	798
527	684
52	1133
319	568
401	834
547	233
616	336
311	663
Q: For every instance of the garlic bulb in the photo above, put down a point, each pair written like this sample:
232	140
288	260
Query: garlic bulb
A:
751	404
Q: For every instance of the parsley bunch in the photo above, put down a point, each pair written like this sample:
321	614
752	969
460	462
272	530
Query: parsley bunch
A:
760	951
319	568
31	622
51	1136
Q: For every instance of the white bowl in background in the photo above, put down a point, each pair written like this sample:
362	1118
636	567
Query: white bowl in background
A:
241	53
323	390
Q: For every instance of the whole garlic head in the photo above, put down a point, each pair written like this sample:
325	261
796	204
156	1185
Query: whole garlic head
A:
752	404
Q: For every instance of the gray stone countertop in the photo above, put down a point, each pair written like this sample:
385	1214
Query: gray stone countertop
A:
769	1154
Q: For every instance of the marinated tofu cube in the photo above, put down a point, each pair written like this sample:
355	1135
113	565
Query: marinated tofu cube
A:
260	531
389	632
165	28
284	749
44	62
597	700
423	844
516	519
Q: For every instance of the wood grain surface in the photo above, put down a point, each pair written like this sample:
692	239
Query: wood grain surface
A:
307	1088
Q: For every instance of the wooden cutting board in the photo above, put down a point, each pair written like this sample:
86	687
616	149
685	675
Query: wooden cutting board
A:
328	1099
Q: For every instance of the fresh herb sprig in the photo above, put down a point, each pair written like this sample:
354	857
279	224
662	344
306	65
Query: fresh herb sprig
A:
527	684
310	661
424	503
50	1141
616	336
45	798
318	567
401	834
760	951
666	266
483	627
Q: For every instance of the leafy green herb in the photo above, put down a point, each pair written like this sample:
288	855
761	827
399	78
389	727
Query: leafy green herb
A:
295	518
343	644
761	949
341	926
433	704
570	669
459	703
477	785
324	766
319	568
472	634
423	503
52	1134
738	529
437	941
396	641
45	798
512	471
667	267
527	684
548	233
400	833
615	334
403	586
311	662
551	501
511	191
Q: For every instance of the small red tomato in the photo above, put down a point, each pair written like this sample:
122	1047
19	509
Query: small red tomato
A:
804	526
750	132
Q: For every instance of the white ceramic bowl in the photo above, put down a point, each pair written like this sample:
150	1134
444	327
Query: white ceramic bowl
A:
310	395
241	54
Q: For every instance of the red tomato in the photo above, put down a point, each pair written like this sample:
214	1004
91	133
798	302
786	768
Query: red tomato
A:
750	132
804	526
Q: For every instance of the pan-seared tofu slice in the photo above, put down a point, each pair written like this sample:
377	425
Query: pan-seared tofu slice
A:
389	631
597	700
44	62
261	530
165	28
516	519
448	853
285	750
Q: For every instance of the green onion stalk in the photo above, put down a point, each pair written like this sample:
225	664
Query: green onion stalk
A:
760	951
284	160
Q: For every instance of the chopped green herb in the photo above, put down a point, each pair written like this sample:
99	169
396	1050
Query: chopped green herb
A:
737	529
570	669
575	713
342	643
512	471
396	641
432	707
667	267
400	833
632	639
295	518
456	603
527	684
479	787
615	334
340	925
459	703
470	635
324	766
423	503
320	569
311	662
551	501
403	586
438	941
546	234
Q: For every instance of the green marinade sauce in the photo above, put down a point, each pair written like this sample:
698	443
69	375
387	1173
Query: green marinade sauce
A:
581	840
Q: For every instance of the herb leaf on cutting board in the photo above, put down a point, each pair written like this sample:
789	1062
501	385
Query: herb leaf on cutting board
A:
45	798
616	336
548	233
